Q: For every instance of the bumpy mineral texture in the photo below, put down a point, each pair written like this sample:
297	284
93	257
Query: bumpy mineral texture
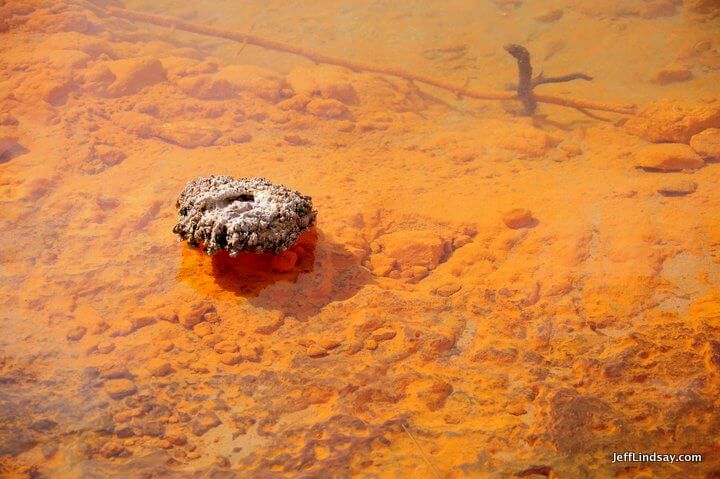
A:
251	215
419	336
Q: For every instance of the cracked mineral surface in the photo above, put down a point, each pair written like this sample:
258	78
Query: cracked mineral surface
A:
247	215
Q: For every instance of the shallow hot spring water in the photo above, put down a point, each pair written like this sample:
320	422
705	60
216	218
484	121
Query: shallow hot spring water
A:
488	291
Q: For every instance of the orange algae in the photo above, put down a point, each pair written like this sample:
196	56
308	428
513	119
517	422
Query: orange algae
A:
416	334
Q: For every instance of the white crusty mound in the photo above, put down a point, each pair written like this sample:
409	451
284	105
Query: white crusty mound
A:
250	215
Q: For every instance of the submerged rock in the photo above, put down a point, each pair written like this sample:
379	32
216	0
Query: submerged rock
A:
672	74
249	215
133	74
668	121
119	388
518	218
188	134
407	249
707	144
678	188
668	157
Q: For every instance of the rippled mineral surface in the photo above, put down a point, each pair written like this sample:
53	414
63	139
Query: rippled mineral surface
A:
485	295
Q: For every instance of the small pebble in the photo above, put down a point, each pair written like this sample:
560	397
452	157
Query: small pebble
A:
111	449
203	422
159	367
100	327
226	347
119	388
345	126
672	74
448	290
707	144
296	140
240	137
76	333
383	334
550	16
202	329
678	188
123	328
106	202
516	409
105	347
124	416
269	324
316	351
164	444
142	321
230	358
329	343
176	438
195	313
518	218
461	241
371	344
115	372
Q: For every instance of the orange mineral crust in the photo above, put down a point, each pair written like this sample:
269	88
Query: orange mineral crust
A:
486	294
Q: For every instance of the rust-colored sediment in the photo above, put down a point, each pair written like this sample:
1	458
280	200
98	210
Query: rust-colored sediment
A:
248	38
485	295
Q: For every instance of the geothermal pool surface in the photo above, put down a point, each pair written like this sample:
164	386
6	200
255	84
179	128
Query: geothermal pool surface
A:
485	295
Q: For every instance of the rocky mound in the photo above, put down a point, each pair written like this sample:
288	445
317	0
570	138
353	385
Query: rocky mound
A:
250	215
